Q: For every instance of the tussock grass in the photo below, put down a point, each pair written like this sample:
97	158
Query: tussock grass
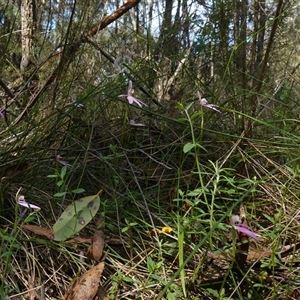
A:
187	169
148	180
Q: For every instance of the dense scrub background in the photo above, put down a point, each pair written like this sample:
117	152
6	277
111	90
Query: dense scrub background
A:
174	162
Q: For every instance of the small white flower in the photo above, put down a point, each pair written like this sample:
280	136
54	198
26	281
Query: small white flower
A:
22	202
235	220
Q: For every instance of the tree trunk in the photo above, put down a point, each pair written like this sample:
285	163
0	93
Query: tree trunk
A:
28	23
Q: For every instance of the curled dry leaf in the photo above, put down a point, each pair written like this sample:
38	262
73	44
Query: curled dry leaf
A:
48	233
87	285
95	250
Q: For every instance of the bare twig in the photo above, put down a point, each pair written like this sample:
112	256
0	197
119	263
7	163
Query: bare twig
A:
114	16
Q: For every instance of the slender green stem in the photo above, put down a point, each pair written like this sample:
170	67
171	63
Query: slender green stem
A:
196	154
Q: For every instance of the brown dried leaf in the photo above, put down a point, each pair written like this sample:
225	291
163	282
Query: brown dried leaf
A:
79	240
86	286
114	241
48	233
95	250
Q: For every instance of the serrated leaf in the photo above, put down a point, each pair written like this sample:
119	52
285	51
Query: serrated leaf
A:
188	147
76	216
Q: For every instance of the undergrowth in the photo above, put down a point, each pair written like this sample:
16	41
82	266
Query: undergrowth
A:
172	169
153	177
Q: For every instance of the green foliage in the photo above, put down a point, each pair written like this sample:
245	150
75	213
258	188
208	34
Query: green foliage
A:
189	146
76	216
62	183
180	164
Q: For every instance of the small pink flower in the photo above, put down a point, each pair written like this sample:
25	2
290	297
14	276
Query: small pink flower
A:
22	202
237	225
2	109
132	123
130	98
64	163
204	102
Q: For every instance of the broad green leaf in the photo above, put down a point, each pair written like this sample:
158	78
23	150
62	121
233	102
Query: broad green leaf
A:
76	216
188	147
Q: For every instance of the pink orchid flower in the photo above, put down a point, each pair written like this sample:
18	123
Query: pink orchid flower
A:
204	102
236	223
2	109
132	123
22	202
64	163
130	98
